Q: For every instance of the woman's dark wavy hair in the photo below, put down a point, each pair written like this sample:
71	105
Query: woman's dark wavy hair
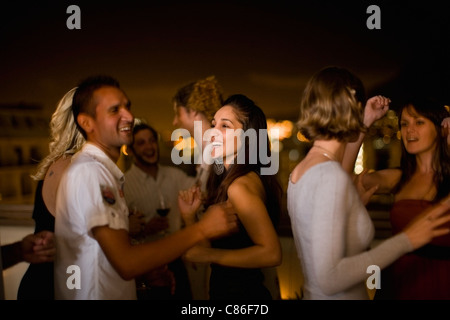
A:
434	111
252	117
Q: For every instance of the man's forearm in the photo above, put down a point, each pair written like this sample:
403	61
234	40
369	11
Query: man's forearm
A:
11	254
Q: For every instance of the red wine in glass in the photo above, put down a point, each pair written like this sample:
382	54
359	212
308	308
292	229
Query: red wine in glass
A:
163	211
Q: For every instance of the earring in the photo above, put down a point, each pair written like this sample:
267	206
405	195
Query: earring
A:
218	167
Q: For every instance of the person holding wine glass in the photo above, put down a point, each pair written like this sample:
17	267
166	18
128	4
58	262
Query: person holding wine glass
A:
150	191
163	209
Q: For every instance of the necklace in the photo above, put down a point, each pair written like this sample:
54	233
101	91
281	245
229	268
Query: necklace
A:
327	153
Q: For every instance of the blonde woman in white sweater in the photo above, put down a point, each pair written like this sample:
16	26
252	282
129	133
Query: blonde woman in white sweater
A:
331	226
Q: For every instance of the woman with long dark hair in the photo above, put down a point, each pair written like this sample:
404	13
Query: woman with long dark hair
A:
422	180
240	148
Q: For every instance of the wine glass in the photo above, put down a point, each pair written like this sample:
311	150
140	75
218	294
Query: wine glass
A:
163	211
163	208
138	237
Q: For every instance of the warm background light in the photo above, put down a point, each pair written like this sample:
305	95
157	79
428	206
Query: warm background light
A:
285	128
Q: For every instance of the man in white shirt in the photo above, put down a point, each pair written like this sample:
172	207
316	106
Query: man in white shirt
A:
149	186
95	259
148	182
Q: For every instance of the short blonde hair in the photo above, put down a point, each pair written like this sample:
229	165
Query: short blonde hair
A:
332	106
204	96
65	138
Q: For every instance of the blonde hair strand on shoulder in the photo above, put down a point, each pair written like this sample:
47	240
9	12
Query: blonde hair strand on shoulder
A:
65	138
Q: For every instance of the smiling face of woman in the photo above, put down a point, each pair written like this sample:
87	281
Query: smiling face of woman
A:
418	133
226	138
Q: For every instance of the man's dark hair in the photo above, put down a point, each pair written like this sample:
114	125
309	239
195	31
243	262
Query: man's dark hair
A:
83	97
142	126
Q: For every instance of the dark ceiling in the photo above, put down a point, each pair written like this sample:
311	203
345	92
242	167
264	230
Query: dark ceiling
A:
266	50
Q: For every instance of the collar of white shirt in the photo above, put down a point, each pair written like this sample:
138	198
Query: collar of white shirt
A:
100	156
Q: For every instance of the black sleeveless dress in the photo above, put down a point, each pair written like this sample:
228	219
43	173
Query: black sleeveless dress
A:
37	282
228	283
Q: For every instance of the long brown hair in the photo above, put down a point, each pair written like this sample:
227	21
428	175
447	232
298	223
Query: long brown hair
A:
251	117
434	111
